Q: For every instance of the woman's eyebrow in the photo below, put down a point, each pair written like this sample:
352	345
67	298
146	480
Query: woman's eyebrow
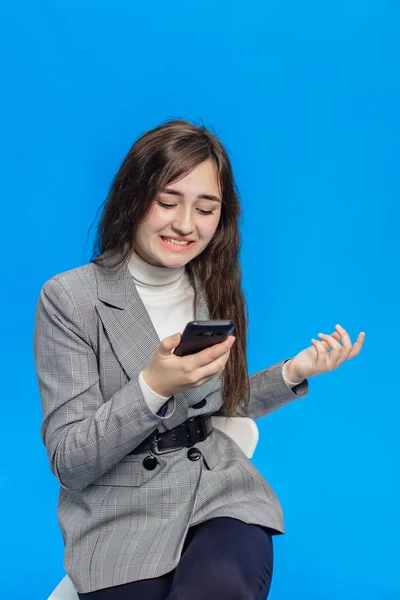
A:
200	197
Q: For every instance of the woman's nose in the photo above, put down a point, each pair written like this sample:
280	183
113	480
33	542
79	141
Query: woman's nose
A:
183	223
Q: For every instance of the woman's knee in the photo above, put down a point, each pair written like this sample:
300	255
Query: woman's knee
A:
223	579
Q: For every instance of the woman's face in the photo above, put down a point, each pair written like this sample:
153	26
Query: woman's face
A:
186	209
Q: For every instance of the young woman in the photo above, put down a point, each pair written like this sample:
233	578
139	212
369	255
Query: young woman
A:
196	521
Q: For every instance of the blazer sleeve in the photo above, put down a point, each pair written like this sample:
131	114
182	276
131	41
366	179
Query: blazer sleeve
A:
85	436
269	391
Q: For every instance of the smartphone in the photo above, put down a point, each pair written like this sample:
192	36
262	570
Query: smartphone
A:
199	335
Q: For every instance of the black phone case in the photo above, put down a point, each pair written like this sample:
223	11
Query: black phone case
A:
198	335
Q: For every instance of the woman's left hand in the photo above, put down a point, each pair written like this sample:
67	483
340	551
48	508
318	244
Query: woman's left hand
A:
316	359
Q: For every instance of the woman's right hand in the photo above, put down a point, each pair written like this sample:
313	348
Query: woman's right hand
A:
167	374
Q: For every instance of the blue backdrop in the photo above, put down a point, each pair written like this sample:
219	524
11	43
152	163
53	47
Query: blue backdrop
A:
306	97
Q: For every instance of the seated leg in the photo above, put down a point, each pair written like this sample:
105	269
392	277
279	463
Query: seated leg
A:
224	559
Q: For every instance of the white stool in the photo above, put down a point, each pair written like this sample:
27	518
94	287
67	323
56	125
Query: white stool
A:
245	433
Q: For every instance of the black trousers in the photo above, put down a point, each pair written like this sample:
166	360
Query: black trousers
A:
222	559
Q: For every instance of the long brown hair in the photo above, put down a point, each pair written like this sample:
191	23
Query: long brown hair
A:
160	156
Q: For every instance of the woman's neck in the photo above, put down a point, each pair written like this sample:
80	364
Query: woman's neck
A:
149	275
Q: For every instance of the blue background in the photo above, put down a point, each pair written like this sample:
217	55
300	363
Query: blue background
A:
305	95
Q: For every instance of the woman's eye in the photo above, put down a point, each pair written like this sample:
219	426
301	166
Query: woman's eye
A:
202	212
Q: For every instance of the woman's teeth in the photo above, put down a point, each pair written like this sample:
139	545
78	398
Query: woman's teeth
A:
178	243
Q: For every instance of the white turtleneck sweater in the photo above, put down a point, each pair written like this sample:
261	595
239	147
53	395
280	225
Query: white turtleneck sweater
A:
169	299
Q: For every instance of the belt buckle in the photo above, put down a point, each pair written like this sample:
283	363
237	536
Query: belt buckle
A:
153	440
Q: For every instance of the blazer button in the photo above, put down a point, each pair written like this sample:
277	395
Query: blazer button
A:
150	463
194	454
200	404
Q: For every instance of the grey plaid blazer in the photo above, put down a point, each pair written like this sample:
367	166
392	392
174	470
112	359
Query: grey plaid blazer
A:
120	522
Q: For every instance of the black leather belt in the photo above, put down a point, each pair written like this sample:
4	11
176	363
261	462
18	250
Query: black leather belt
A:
185	435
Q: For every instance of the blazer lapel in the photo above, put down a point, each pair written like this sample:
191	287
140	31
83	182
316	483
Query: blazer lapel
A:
126	320
132	334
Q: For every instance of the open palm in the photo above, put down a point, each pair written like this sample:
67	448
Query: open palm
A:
325	355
